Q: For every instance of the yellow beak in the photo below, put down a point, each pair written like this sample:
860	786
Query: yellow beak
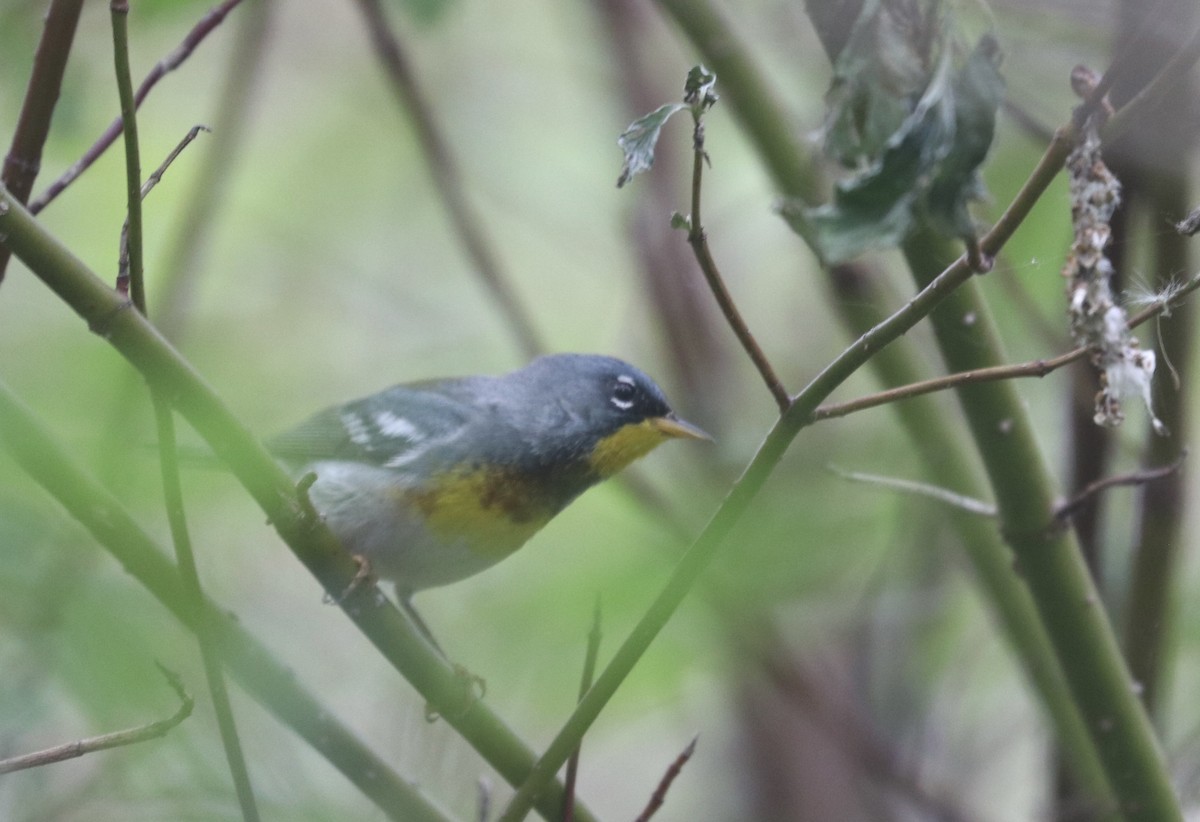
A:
672	426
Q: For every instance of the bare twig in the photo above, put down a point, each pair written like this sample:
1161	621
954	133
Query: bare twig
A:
1033	368
585	682
447	179
169	63
131	253
664	784
920	489
130	736
24	158
698	240
1064	511
151	182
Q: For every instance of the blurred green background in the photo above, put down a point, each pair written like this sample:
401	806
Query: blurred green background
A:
330	271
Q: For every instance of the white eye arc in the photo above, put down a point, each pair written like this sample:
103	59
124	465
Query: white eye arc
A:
624	392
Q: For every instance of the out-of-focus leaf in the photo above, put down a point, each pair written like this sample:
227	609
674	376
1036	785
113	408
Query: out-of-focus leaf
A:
918	153
978	90
876	208
877	80
638	141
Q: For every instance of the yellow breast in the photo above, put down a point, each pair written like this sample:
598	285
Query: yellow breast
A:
494	512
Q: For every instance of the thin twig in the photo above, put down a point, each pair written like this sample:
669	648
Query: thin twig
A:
24	158
131	242
447	179
151	182
920	489
164	66
1064	511
585	682
698	240
1033	368
664	784
130	736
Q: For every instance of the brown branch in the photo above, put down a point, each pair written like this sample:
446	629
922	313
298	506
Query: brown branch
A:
1064	511
698	240
172	61
1034	368
664	784
130	736
151	182
446	177
24	158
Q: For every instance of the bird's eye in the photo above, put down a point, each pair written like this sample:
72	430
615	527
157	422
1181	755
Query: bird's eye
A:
624	393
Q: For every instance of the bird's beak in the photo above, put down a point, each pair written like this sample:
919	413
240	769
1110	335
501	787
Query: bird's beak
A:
671	426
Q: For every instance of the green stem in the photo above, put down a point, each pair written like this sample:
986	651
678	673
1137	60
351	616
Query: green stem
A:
168	457
1048	557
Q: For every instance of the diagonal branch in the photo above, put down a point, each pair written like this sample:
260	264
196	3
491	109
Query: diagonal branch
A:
24	158
447	179
1068	508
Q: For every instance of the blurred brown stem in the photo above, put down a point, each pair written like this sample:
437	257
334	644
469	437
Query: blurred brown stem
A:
447	179
24	158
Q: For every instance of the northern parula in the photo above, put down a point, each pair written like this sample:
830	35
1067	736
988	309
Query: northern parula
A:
431	482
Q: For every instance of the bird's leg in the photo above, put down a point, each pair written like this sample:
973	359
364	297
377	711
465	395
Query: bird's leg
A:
419	623
475	685
365	575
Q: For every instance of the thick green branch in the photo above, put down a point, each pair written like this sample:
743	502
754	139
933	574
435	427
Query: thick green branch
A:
1048	557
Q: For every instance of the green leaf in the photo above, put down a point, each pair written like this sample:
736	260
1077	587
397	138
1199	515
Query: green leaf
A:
877	80
916	141
978	91
638	141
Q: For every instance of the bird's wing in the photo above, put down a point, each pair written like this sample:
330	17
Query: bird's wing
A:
388	429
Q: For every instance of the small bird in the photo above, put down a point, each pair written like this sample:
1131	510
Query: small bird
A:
431	482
